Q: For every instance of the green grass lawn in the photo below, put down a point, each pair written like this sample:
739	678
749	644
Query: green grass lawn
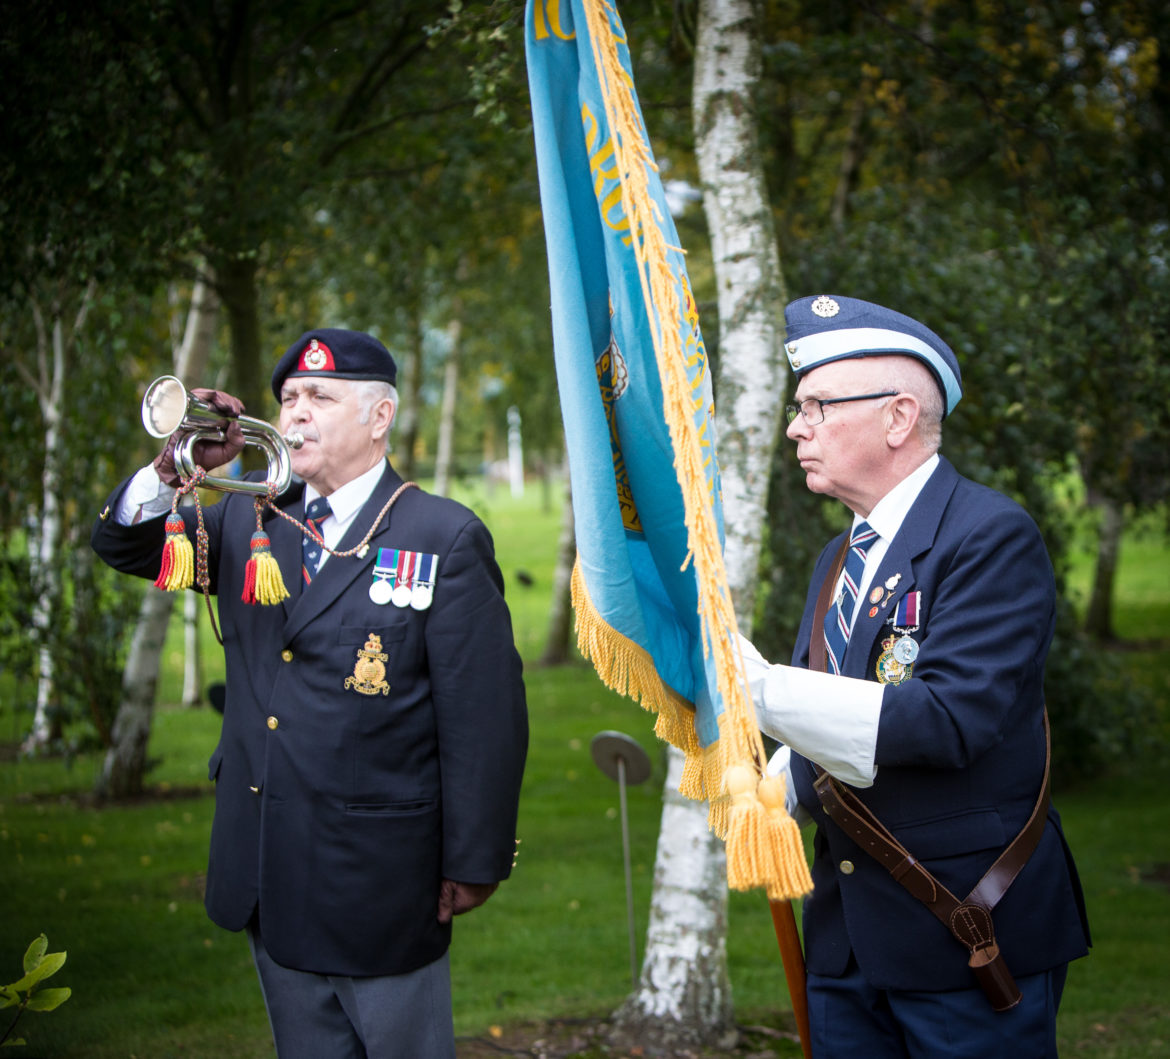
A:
120	888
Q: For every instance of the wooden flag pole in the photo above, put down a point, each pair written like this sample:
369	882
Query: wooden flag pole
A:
792	956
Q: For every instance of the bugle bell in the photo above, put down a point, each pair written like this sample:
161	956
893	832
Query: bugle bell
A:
169	406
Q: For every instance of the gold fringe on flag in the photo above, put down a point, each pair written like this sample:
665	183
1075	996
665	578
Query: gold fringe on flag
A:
762	850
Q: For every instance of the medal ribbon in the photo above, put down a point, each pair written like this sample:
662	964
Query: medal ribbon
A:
426	568
385	563
906	614
401	566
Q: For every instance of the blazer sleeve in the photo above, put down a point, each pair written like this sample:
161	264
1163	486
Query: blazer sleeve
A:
986	636
480	709
137	549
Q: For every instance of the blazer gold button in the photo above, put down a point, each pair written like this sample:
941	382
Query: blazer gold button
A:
846	867
273	722
254	790
286	654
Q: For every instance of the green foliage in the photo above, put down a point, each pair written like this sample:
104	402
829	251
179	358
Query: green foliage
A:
87	639
27	994
90	615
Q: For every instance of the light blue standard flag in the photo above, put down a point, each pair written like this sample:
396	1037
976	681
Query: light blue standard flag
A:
637	607
653	608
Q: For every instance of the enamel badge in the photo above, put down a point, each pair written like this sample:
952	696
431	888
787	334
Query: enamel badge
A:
369	671
889	669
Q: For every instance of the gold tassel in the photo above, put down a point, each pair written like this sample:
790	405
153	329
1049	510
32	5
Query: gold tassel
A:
178	557
262	580
790	875
748	860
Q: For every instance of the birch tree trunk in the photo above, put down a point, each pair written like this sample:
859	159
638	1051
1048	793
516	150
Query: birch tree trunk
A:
1099	614
192	670
751	383
124	767
191	356
406	420
684	995
556	647
445	453
49	386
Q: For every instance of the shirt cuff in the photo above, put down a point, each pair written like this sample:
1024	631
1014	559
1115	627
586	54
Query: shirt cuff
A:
828	719
146	496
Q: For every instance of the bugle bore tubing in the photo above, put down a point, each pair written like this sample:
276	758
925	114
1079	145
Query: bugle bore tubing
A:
168	407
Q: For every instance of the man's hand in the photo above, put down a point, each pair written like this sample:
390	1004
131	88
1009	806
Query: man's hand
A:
208	454
455	898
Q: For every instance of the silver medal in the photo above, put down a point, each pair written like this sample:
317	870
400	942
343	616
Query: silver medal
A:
421	596
401	596
906	650
381	591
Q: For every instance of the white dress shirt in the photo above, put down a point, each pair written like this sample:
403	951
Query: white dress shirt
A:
832	720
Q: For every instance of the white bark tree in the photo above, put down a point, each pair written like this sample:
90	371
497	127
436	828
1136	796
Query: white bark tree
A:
560	620
125	763
445	450
684	996
54	341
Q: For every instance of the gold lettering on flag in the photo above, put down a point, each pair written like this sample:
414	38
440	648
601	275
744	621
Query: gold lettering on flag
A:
546	15
603	169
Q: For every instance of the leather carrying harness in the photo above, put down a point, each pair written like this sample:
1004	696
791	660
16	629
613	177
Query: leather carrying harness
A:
969	920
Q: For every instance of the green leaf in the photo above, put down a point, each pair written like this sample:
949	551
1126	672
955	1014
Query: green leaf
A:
35	953
14	1042
22	985
48	999
47	967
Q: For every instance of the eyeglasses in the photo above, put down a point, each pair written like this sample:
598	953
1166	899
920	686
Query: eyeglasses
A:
813	408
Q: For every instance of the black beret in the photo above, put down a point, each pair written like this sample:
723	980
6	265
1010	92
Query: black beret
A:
336	353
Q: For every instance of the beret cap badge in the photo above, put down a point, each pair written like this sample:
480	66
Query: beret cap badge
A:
337	353
316	357
825	307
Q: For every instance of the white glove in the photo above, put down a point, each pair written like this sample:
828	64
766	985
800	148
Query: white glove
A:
828	719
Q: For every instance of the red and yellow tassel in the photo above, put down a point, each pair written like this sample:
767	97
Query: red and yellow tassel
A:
262	580
178	557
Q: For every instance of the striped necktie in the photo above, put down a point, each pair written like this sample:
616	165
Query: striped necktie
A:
316	513
840	616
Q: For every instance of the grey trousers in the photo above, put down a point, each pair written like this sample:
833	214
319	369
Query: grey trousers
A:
317	1016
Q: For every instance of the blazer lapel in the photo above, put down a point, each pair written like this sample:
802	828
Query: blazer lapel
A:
339	573
916	536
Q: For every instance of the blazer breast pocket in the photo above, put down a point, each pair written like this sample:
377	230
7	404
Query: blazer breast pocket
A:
370	656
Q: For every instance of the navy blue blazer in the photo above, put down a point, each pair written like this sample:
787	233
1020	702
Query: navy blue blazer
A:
338	813
960	750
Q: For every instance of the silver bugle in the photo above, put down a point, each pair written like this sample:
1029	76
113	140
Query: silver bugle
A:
169	406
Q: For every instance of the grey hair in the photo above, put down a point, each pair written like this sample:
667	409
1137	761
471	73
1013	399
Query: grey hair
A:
908	375
369	393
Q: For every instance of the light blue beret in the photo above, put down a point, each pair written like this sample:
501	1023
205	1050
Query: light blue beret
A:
825	327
